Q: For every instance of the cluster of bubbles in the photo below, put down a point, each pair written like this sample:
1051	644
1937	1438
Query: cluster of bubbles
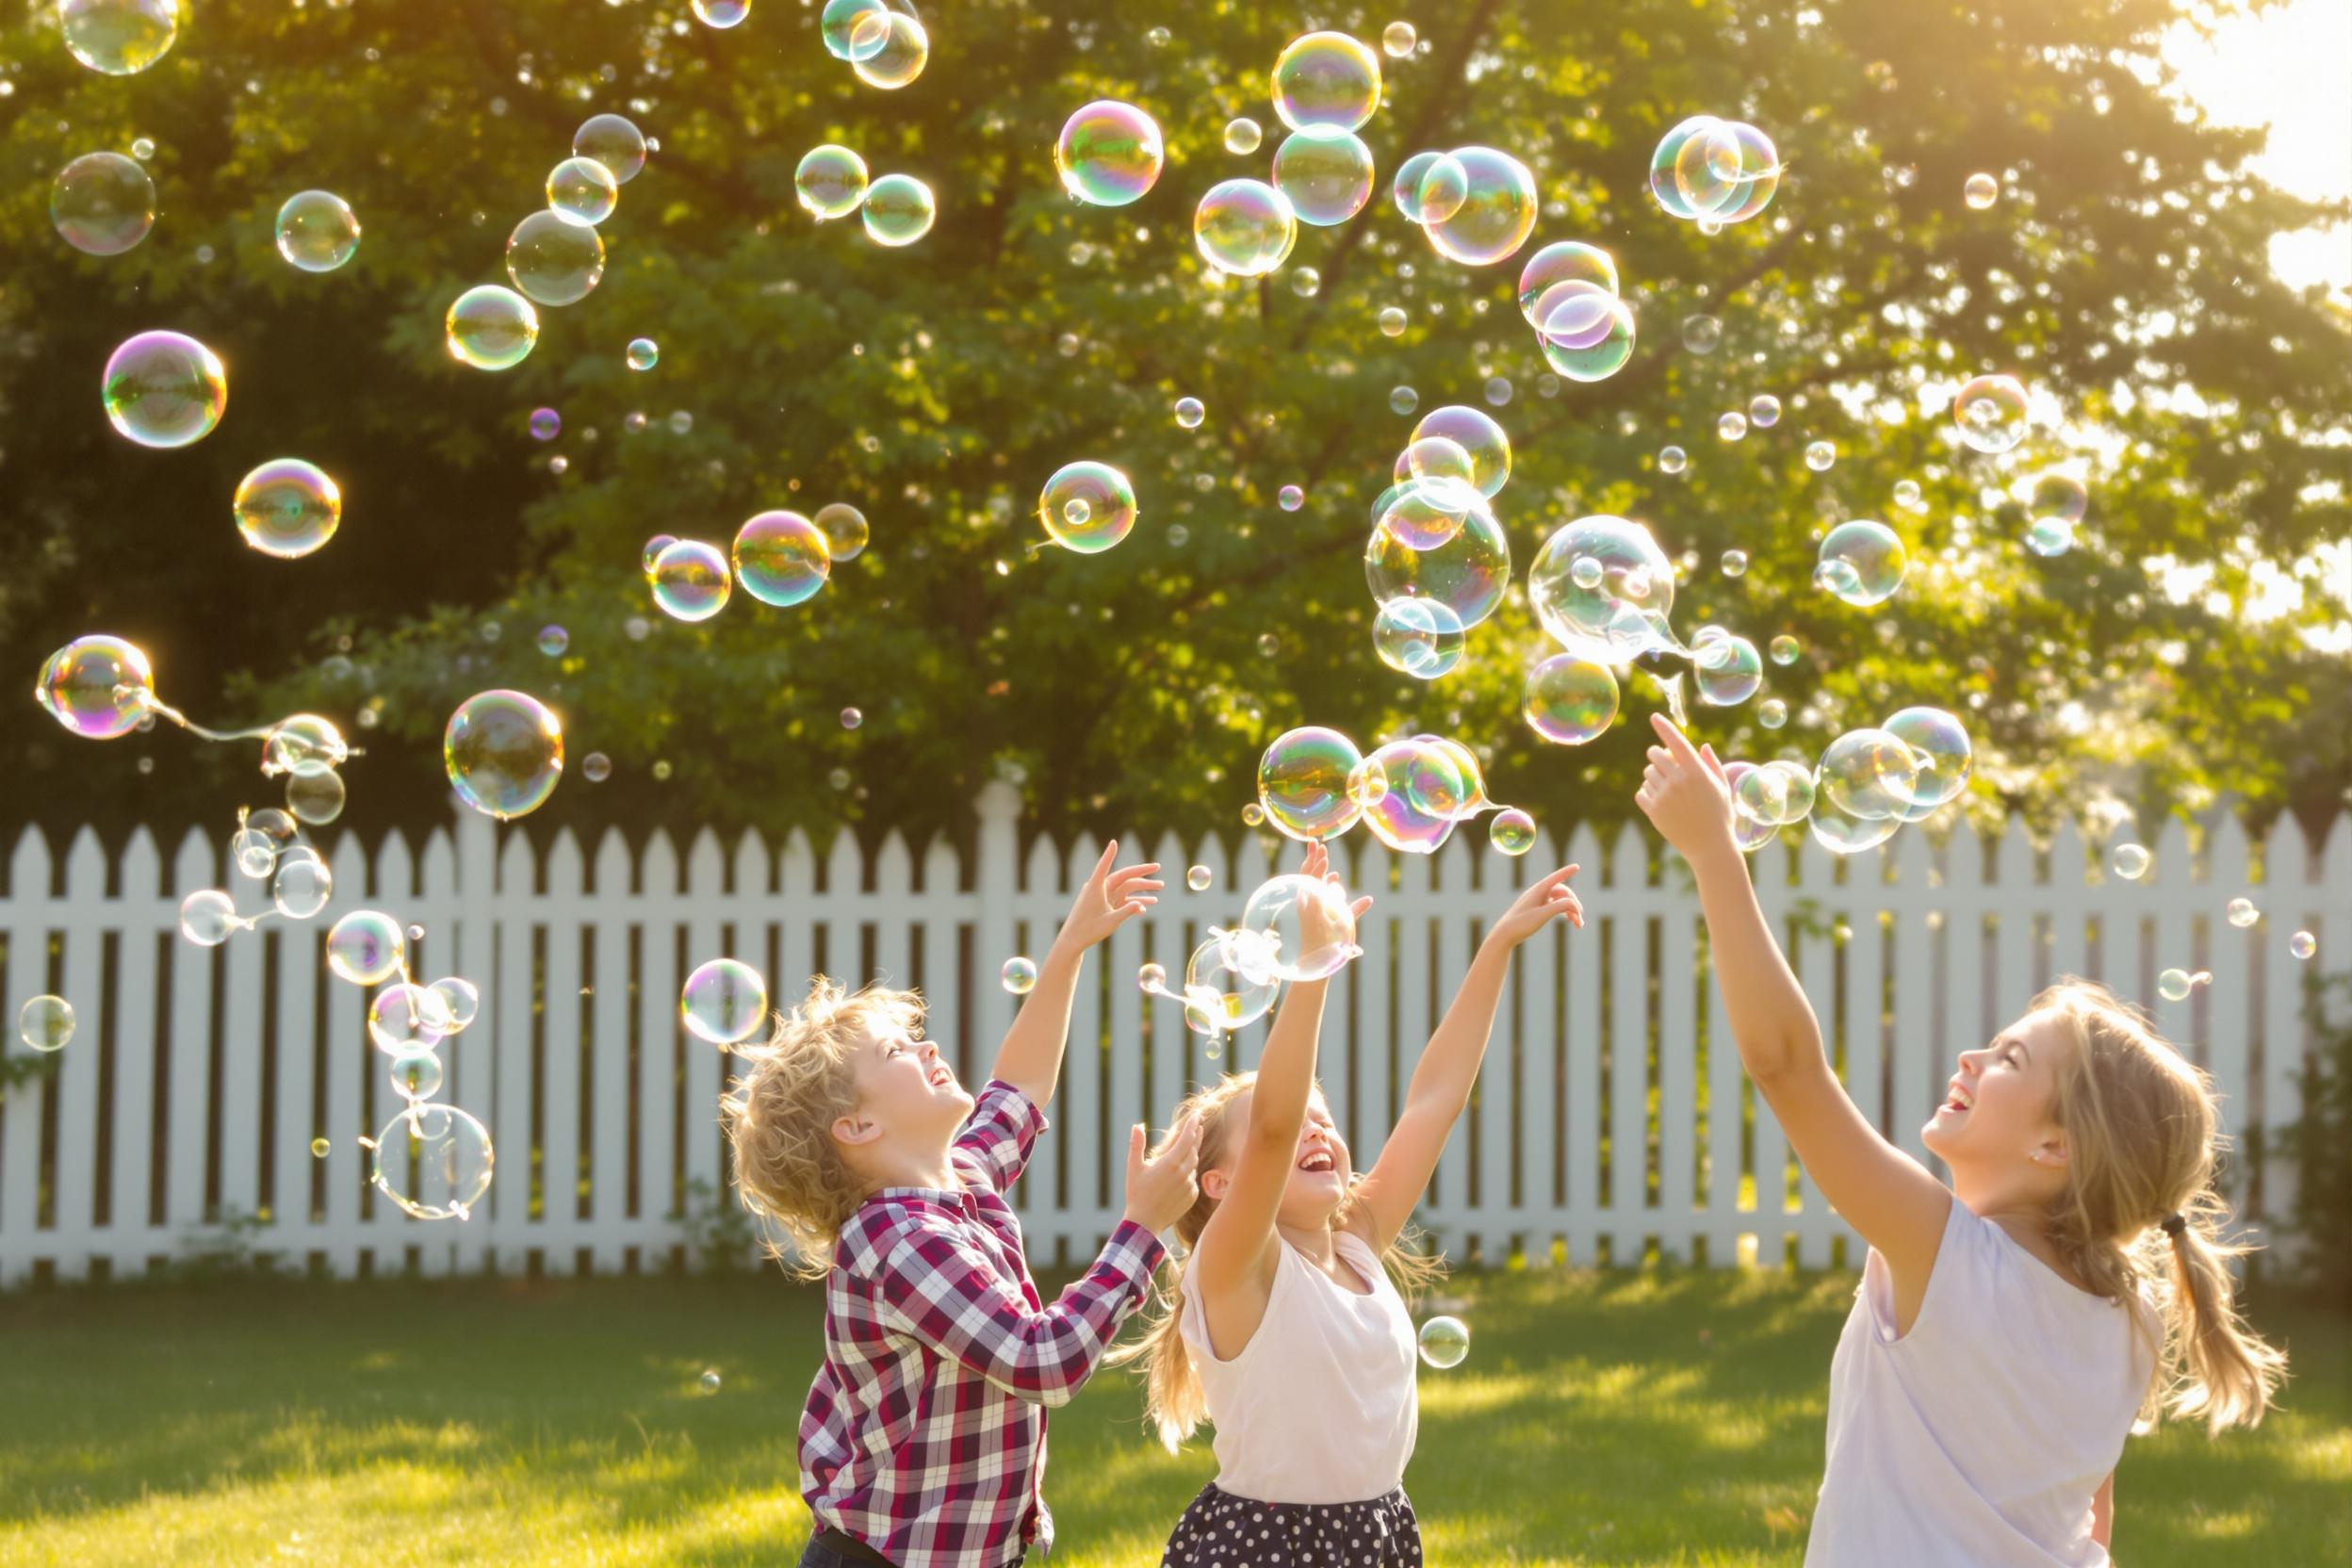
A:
832	182
1568	292
1714	171
2131	862
1437	560
1866	785
779	558
1314	784
1293	927
886	48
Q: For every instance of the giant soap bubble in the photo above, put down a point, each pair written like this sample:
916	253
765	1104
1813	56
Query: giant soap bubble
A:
1603	589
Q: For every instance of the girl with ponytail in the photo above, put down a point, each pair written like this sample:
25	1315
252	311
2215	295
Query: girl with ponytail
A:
2013	1328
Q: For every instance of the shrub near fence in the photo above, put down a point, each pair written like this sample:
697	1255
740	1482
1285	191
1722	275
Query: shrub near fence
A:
1612	1118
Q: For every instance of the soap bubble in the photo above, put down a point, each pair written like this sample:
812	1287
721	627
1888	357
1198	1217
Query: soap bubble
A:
898	208
1570	700
1732	426
1512	831
1303	780
720	14
1603	589
434	1161
1151	979
366	947
583	191
1326	79
1990	412
318	1147
302	884
1563	261
1574	314
546	424
1086	507
1751	835
403	1016
1110	153
1497	211
781	558
553	260
287	508
99	687
1771	795
504	753
164	389
1429	187
1940	750
1433	457
691	581
303	745
1417	637
1843	835
1702	335
1273	943
855	29
1594	349
1907	493
254	854
2242	912
102	203
1445	1342
415	1075
1189	413
1735	563
1715	170
1245	227
1764	411
2302	944
1198	879
709	1382
1325	173
1672	460
1411	794
831	181
1219	995
316	231
906	48
209	917
644	354
1785	649
1425	513
1727	669
723	1002
1290	498
1476	433
120	37
1403	400
1397	39
317	798
2174	984
844	530
1243	135
492	328
1771	713
2049	536
1819	456
553	640
613	141
1467	574
1861	563
2131	862
1868	773
1981	191
2054	494
45	1022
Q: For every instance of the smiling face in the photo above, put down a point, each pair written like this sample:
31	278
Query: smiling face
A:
908	1101
1997	1125
1320	1170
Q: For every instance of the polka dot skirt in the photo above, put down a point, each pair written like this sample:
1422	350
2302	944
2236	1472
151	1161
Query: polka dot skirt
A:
1220	1530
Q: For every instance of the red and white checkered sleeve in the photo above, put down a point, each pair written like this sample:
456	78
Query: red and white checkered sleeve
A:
998	1136
942	1290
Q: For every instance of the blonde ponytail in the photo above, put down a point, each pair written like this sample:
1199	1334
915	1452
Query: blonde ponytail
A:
2212	1367
1173	1401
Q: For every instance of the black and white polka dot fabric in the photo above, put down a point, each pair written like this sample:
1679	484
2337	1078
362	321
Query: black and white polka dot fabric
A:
1220	1530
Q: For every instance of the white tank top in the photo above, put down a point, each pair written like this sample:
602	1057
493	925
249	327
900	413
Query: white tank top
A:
1980	1436
1319	1407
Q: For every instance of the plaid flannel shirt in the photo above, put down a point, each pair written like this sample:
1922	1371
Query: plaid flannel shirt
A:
924	1432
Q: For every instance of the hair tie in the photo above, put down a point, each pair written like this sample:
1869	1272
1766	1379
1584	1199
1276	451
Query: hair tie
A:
2174	1225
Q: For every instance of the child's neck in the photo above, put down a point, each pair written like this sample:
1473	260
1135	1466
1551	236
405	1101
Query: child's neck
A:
1315	1241
896	1166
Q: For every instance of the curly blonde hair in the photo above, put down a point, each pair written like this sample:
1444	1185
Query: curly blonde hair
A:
779	1117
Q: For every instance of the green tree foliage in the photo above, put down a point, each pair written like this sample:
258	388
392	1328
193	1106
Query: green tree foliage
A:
2122	274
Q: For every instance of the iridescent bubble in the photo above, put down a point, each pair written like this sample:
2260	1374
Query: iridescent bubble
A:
2054	496
844	530
898	208
2242	912
855	29
906	48
254	854
2303	944
2174	984
1290	498
1939	748
1764	411
1110	153
492	328
1433	457
1476	433
1672	460
652	553
1498	210
1563	261
1861	563
2131	862
1844	835
613	141
1243	135
1198	879
317	798
1702	335
852	718
1574	314
415	1075
1403	400
1104	513
1303	783
2049	536
595	767
691	581
504	753
1326	79
1819	456
1426	513
1245	227
120	37
1981	191
720	14
1512	831
1151	979
583	191
319	1149
546	424
1570	700
1771	795
1429	187
1189	413
99	687
1419	791
434	1161
302	884
1445	1342
1771	713
1735	563
1467	574
45	1022
1275	941
723	1002
1397	39
1326	173
1868	773
366	947
102	203
1417	637
1603	589
831	181
1726	668
287	508
1990	412
164	389
553	260
1732	426
781	558
1751	835
403	1016
1719	171
1219	997
644	354
1785	649
316	231
1907	493
709	1382
1594	349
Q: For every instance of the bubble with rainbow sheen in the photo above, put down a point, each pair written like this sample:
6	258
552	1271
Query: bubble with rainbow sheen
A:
1862	563
1478	434
491	327
1772	796
416	1074
119	38
1429	186
554	261
644	354
1979	191
1868	773
1843	834
1245	228
614	141
898	209
1564	261
691	581
1410	808
1570	700
1990	413
1584	336
781	558
289	508
1109	154
844	530
831	181
1444	1341
1420	638
1303	778
45	1024
724	1002
583	191
1433	457
1511	832
1716	171
164	389
1672	460
553	640
503	751
1326	171
102	203
2302	944
1019	975
1287	928
1497	213
317	232
1467	574
1220	993
1726	669
1603	588
1243	135
1428	512
854	29
1751	835
1325	78
98	686
2131	862
720	14
905	49
1940	753
1086	507
546	424
2049	536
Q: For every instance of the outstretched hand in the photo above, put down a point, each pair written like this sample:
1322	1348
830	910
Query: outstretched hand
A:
1685	794
1327	922
1539	903
1108	899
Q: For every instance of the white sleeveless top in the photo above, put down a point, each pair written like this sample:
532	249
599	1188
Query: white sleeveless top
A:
1980	1436
1319	1407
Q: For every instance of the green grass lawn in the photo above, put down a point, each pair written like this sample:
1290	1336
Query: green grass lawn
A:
1633	1418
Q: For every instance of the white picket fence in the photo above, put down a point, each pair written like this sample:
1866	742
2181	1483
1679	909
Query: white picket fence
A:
1611	1117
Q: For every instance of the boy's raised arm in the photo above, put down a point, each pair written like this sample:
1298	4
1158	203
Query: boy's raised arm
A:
1031	1057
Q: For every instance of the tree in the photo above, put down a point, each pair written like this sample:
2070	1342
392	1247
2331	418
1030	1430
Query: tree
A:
937	386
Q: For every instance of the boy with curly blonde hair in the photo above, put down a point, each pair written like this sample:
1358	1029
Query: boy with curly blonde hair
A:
923	1443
